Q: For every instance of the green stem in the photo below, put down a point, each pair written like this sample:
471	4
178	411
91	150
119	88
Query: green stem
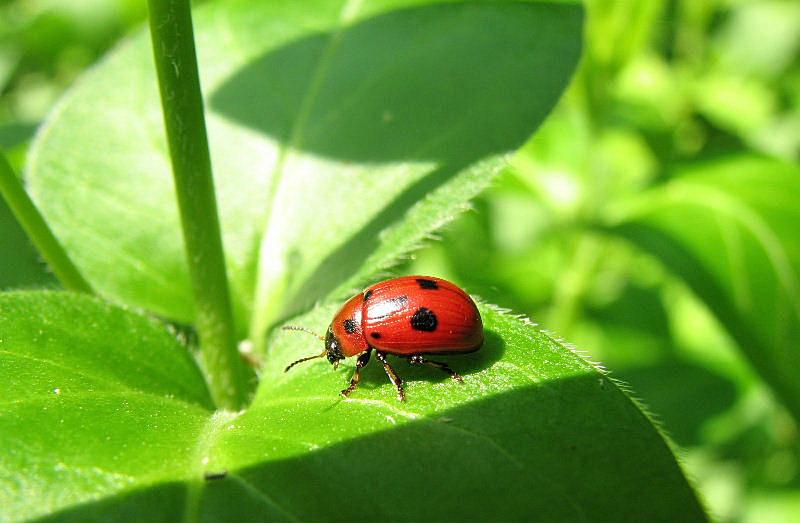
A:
40	234
229	378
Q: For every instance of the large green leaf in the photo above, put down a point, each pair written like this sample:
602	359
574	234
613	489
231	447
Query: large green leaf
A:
105	417
342	134
729	228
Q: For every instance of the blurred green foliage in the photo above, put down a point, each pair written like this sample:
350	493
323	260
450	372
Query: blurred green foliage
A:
44	45
663	85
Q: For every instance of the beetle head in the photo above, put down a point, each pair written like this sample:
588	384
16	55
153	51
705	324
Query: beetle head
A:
333	348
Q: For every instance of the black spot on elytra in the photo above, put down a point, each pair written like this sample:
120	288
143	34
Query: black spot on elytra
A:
424	320
367	295
427	284
376	335
349	326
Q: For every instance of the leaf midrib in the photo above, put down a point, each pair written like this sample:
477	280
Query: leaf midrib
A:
259	314
259	494
205	441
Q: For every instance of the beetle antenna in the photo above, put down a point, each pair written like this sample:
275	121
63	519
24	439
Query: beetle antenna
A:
301	360
302	329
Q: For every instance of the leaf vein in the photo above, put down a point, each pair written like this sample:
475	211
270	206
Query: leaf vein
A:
348	11
259	494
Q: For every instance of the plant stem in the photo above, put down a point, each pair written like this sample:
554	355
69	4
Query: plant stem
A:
38	231
181	100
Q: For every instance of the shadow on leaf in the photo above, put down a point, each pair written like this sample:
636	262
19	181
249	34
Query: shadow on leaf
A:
563	450
20	264
423	83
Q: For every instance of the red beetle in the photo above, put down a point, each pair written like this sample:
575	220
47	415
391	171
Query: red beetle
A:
410	317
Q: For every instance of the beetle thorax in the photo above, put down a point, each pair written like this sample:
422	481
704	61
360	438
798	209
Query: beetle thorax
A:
346	327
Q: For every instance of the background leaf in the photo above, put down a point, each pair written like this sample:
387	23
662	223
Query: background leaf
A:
20	264
88	433
729	229
329	122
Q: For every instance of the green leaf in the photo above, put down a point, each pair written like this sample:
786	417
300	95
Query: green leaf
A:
105	416
20	265
342	134
95	400
729	229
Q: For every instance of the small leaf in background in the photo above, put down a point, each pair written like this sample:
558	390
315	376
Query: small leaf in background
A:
729	229
106	417
342	134
20	264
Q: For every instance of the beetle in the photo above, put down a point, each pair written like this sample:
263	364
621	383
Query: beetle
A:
410	317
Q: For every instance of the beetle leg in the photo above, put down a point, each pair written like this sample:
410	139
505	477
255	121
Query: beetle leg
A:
396	380
360	363
419	359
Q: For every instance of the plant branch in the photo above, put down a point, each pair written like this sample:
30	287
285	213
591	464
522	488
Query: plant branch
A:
176	63
38	231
